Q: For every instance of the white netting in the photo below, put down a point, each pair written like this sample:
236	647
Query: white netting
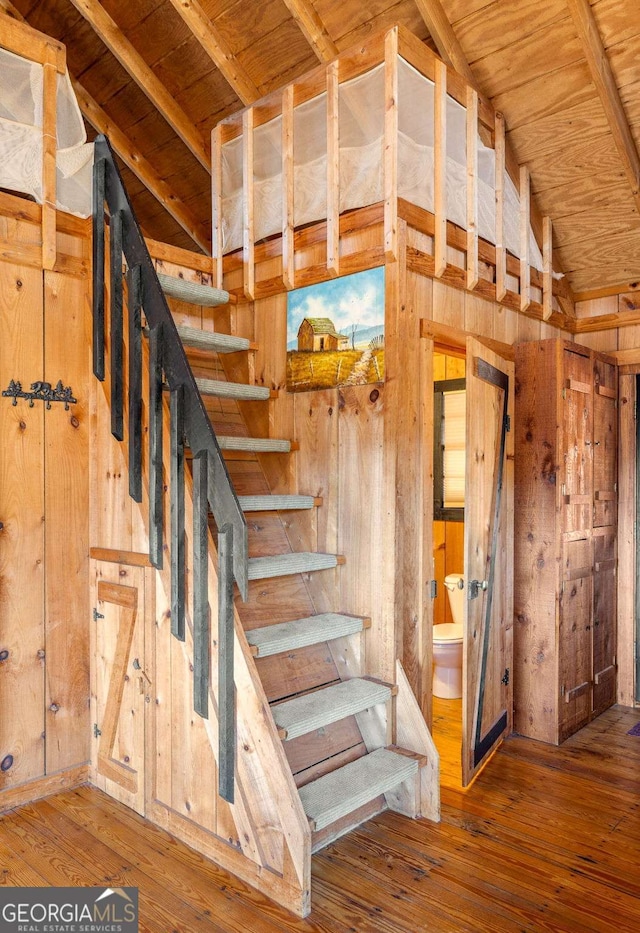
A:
21	136
361	156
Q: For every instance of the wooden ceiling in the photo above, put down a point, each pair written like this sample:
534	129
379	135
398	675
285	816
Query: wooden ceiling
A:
157	75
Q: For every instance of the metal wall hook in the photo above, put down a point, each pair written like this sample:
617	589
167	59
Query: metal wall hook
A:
41	392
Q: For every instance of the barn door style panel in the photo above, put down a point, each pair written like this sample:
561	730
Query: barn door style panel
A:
566	510
120	684
486	715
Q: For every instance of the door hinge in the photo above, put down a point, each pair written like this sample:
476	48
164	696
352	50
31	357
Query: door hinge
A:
507	422
563	489
505	677
96	732
433	589
564	393
97	615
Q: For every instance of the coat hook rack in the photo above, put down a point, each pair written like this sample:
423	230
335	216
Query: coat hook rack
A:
41	392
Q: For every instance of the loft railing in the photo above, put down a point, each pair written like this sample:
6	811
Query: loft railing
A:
189	427
21	39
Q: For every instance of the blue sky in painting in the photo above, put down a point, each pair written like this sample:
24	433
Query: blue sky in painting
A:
353	299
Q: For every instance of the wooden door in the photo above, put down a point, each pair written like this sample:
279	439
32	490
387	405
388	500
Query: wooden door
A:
120	683
487	700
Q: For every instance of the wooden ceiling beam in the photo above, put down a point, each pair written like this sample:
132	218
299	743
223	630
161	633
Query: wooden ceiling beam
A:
217	49
441	30
117	43
313	29
604	81
134	160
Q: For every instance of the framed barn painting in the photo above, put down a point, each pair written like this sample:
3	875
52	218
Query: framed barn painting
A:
335	332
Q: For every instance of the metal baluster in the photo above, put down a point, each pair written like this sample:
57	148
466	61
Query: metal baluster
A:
115	252
156	490
99	178
177	512
134	281
200	585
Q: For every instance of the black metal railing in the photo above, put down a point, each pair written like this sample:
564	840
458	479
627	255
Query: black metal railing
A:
189	427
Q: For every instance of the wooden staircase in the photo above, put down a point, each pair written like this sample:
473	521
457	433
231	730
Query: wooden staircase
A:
334	796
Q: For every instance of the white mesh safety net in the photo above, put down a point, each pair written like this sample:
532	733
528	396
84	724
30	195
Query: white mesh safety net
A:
21	136
361	152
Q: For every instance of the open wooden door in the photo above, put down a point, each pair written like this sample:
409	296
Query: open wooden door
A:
488	565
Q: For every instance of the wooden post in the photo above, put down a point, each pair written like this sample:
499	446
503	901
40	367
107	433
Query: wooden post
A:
525	234
501	252
49	146
391	145
333	170
288	244
216	202
472	188
440	170
547	268
248	235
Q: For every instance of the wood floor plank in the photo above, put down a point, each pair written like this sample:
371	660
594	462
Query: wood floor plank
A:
547	840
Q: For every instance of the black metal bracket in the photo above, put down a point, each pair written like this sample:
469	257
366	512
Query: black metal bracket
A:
41	392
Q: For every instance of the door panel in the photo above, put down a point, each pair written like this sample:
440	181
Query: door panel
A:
605	444
578	433
604	622
488	637
120	685
574	702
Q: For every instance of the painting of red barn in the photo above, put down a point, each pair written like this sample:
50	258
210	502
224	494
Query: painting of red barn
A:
335	332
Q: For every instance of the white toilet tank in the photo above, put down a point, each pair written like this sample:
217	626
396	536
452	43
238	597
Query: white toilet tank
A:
454	583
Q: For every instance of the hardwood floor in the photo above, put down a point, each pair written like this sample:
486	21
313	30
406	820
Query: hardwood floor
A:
546	839
447	734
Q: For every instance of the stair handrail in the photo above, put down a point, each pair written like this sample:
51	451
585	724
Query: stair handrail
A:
211	483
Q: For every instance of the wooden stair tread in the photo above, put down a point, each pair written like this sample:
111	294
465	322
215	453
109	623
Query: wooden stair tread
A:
255	444
281	565
237	390
275	503
193	292
213	341
312	711
300	633
337	794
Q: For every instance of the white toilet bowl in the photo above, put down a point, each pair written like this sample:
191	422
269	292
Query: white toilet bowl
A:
447	644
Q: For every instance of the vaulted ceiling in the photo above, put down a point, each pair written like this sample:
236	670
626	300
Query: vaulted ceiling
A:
157	75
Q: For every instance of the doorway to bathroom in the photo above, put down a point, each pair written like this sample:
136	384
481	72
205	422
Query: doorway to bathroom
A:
471	539
449	406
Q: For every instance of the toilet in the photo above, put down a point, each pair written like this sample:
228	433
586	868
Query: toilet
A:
447	644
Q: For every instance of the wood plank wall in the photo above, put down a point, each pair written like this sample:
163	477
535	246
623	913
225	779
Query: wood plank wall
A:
44	501
360	449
